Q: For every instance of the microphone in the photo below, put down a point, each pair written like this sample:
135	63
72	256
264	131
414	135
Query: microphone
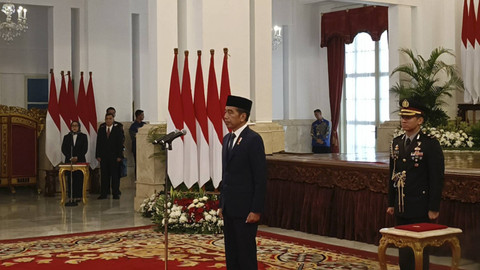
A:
170	136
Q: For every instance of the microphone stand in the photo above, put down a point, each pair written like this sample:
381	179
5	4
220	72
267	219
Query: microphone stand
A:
71	202
166	145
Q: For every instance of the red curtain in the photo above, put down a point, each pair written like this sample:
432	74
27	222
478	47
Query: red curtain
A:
340	28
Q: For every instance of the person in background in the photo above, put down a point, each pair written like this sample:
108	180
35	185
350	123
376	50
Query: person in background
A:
74	148
113	112
417	170
243	187
320	133
109	153
133	130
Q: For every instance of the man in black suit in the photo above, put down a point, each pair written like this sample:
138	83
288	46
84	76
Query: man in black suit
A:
244	178
109	153
417	174
74	148
112	111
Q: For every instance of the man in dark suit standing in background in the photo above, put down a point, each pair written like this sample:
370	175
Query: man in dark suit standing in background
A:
417	174
109	153
244	177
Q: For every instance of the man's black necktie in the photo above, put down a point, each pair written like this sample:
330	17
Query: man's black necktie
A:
407	143
230	143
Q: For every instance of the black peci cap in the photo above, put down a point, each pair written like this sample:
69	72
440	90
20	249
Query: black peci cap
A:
239	102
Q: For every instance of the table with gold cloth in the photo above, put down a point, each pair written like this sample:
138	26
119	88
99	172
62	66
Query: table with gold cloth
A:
62	168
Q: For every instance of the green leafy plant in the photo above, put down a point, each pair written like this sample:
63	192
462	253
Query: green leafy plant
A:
422	80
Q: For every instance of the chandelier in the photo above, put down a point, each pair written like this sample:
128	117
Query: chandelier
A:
277	37
9	29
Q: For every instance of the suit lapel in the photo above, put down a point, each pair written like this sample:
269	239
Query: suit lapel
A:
237	144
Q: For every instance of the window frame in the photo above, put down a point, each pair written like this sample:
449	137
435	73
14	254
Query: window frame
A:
378	75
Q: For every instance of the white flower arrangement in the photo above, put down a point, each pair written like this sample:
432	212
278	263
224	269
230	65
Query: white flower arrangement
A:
449	139
187	212
147	208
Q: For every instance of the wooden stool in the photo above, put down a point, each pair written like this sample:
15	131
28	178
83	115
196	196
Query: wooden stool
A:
84	168
418	241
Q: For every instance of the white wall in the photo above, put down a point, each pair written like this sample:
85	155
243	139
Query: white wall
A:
306	62
105	49
420	25
25	55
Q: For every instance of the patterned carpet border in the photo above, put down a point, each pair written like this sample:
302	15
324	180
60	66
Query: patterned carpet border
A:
143	248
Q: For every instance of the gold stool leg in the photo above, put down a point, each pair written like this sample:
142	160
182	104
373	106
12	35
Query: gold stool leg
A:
382	247
418	251
85	179
456	252
61	178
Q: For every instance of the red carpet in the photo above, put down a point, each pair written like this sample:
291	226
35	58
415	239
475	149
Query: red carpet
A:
142	248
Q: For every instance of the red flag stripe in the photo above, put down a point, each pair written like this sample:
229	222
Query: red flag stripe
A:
188	112
213	103
73	114
53	108
92	111
464	23
175	99
82	104
470	31
199	104
63	101
225	83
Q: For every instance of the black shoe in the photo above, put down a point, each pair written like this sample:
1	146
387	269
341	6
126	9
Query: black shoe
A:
116	197
101	197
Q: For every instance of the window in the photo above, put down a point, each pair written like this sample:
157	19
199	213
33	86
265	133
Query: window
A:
37	93
366	93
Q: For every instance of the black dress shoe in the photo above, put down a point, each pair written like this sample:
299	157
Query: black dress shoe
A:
116	197
101	197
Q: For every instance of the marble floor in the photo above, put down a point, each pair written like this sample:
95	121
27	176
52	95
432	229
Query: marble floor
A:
28	214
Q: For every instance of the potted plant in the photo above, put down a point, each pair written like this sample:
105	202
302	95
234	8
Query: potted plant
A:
429	81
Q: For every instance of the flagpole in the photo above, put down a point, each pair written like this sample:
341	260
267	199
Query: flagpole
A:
166	203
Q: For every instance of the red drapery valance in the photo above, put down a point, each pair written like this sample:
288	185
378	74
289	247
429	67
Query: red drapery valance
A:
340	28
346	24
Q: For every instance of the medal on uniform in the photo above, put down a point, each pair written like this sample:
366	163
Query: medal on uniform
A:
417	154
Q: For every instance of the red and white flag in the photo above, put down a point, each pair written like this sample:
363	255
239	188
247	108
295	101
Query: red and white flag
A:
92	120
190	158
224	88
82	110
215	129
202	126
53	139
175	122
470	56
63	104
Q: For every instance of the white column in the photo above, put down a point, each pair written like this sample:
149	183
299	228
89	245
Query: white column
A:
165	33
60	46
261	57
400	36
